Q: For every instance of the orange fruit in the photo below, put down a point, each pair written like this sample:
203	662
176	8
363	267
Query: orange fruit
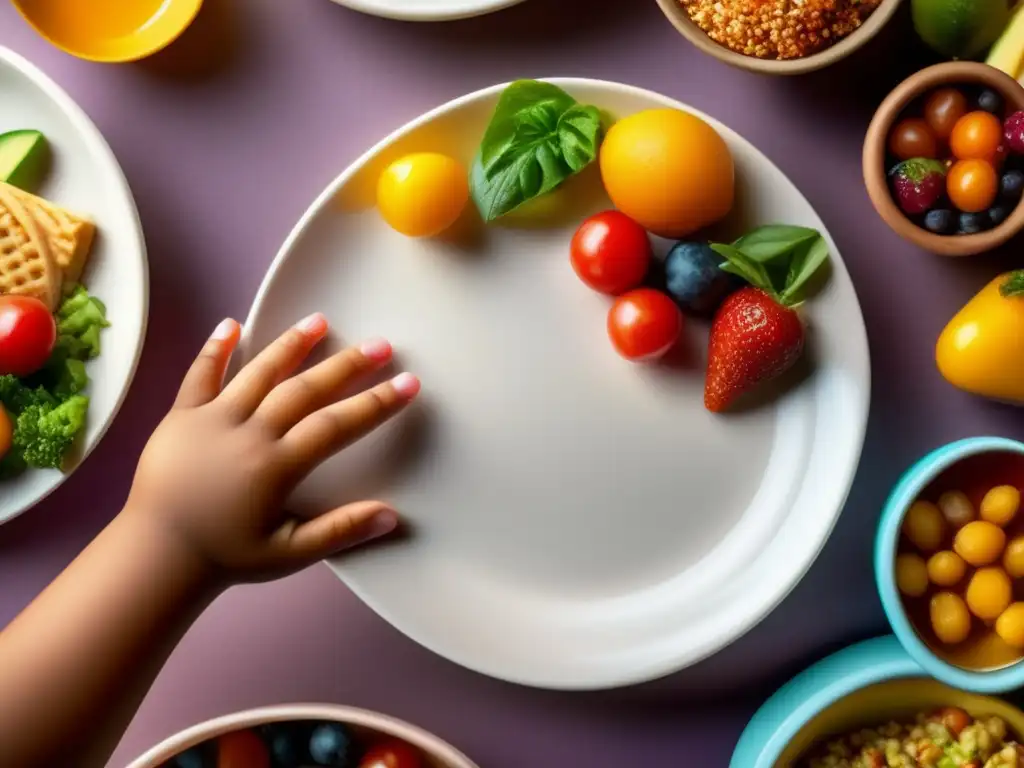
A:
668	170
976	136
972	185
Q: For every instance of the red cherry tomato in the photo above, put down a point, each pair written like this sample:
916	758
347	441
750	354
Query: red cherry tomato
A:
610	252
242	749
392	754
27	334
644	324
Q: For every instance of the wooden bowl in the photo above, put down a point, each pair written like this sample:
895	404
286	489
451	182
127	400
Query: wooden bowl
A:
366	725
681	21
891	109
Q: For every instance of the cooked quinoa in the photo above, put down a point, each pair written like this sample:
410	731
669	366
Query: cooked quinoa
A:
949	738
778	29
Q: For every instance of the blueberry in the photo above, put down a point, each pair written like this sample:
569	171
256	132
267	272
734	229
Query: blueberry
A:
332	744
191	758
990	101
693	279
941	221
997	214
972	223
287	744
1011	185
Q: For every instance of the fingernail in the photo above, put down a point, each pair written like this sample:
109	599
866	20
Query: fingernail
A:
315	323
381	524
378	350
406	384
223	331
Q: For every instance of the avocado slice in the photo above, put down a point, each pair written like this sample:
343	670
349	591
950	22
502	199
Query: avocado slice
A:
23	158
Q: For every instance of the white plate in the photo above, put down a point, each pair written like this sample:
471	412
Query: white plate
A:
578	521
85	177
428	10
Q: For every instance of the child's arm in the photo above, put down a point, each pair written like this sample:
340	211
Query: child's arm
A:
204	512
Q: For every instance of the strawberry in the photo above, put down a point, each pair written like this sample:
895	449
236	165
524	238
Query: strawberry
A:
756	334
917	184
753	338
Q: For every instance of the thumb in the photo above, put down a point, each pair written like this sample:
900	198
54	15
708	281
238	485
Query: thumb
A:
340	529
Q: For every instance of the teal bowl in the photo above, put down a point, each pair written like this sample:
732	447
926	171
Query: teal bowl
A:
914	481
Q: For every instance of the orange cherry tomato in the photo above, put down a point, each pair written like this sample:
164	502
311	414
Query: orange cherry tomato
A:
242	749
6	432
976	136
913	138
972	185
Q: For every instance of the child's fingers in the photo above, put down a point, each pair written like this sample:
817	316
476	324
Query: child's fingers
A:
335	531
294	399
273	365
205	377
324	433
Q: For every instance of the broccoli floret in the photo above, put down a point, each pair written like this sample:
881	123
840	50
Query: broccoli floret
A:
80	318
43	434
16	396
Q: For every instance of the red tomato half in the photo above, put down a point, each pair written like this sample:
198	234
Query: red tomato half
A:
392	754
27	334
610	252
644	324
242	749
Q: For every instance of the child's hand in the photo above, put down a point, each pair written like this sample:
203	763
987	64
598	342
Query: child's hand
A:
218	469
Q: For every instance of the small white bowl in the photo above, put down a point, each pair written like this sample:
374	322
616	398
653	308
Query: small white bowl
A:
370	725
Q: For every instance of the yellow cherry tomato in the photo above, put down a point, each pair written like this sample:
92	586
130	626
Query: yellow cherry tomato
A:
977	350
1010	625
924	526
422	194
1000	505
668	170
951	621
1013	557
911	575
979	542
946	569
956	508
989	592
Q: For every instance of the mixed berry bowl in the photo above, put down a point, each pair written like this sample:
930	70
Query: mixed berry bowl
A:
943	158
304	736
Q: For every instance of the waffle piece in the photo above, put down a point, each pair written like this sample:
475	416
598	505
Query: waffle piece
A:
27	266
69	235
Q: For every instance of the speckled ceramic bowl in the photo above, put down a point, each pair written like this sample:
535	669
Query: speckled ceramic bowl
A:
877	138
366	725
914	482
675	13
860	686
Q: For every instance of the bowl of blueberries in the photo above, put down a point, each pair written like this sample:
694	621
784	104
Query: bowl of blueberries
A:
304	736
943	158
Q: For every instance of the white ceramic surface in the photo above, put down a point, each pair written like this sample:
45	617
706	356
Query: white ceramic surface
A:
577	521
428	10
85	177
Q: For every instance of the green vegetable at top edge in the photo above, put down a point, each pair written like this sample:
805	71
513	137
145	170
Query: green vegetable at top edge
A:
47	409
538	137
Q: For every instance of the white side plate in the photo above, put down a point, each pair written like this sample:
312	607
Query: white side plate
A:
427	10
84	177
577	521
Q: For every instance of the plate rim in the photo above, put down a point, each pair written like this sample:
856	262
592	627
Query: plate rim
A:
373	8
665	665
104	156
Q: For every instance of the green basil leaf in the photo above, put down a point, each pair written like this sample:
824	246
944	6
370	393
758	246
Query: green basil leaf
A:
774	241
520	177
806	261
579	134
738	263
523	102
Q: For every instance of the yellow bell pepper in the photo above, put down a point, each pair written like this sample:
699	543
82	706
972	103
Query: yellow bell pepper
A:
982	349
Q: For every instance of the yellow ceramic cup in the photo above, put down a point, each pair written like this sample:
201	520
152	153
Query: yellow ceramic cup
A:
894	700
109	30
